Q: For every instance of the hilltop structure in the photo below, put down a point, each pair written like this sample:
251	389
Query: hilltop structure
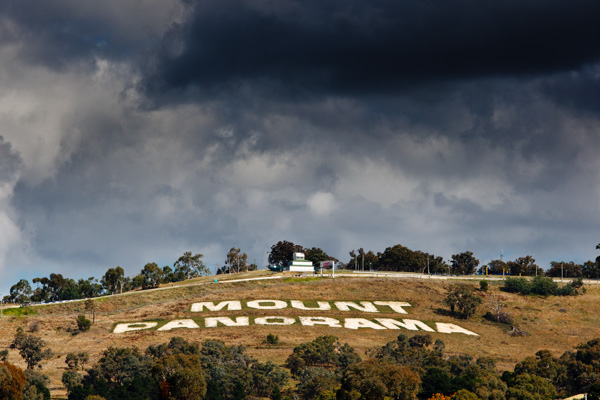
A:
299	264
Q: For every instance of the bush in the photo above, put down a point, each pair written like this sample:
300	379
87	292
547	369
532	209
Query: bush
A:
544	286
272	339
462	301
503	318
517	285
83	324
484	285
72	360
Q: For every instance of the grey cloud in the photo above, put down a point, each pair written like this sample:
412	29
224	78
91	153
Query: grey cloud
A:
61	33
288	134
10	162
352	47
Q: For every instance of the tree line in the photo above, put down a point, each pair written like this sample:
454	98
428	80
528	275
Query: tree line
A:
402	259
397	258
56	287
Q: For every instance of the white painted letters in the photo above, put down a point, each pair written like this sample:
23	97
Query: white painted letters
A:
272	304
213	322
278	320
322	305
356	323
394	305
366	306
179	323
231	306
409	324
451	328
274	321
312	321
134	326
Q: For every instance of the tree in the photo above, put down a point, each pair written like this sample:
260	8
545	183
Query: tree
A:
83	358
325	351
282	252
169	275
464	263
72	360
12	381
530	387
464	394
52	288
235	261
356	260
524	266
90	307
180	377
31	348
152	276
462	300
190	266
316	255
498	314
112	280
89	287
375	380
315	380
36	386
71	379
21	292
400	258
560	269
591	269
494	267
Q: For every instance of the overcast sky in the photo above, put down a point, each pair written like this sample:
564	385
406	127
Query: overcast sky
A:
134	130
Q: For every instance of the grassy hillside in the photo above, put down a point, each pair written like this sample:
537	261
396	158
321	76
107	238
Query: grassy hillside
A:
553	323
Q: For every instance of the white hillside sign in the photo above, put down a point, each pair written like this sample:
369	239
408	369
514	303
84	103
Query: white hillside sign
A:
370	308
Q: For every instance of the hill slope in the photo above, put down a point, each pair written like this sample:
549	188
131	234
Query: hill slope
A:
553	323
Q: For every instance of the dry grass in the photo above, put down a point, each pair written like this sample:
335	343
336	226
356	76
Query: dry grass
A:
548	326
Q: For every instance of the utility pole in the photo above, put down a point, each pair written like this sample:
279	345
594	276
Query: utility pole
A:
561	272
363	261
428	264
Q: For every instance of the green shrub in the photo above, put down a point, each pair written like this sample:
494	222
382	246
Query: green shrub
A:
544	286
83	324
484	285
517	285
462	301
272	339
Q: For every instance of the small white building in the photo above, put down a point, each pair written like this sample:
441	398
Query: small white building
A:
299	264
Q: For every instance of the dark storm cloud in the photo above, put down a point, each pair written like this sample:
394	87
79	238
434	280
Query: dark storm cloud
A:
579	91
350	46
273	120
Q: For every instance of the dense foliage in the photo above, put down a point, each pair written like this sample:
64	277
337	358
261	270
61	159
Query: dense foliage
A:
408	368
542	286
177	370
